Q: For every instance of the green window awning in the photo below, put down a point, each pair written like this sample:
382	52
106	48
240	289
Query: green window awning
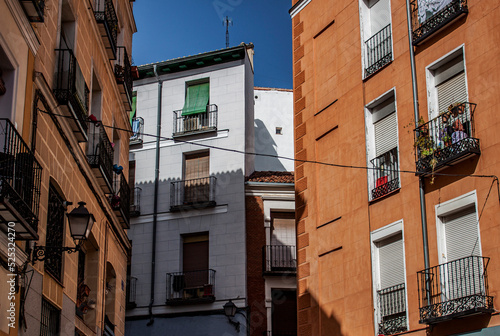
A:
134	107
196	99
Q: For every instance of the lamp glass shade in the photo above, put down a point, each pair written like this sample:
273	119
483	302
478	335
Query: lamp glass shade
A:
230	309
80	222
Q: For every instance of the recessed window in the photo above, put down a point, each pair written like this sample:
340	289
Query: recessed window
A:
279	130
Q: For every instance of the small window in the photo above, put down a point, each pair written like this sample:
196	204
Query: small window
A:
50	319
279	130
55	232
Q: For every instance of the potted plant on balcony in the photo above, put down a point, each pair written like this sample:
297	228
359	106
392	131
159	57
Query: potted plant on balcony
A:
456	108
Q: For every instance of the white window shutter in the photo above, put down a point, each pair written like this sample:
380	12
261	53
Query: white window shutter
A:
391	261
452	91
386	134
462	234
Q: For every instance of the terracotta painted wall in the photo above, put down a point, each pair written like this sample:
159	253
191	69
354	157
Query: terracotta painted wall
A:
334	216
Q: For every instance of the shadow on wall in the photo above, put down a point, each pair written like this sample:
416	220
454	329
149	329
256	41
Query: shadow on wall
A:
264	144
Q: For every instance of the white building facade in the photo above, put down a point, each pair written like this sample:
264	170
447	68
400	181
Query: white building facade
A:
189	232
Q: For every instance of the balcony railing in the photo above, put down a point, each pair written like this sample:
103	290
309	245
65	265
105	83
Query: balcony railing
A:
20	181
34	9
392	310
280	259
191	287
428	17
447	139
137	131
120	201
378	50
454	289
131	291
385	174
192	194
123	75
72	92
100	157
194	123
135	204
106	18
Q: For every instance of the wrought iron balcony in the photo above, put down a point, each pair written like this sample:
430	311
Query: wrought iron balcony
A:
427	21
378	50
131	291
195	123
105	16
123	75
137	131
120	201
72	92
192	194
191	287
386	174
135	204
20	181
447	139
455	289
34	9
279	259
392	310
100	157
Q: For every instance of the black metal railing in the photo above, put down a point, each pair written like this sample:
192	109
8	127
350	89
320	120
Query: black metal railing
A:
446	139
135	202
72	91
385	174
137	131
20	182
194	193
34	9
120	201
426	21
131	292
200	122
109	327
279	258
105	15
378	50
456	288
123	75
392	310
50	319
191	287
100	156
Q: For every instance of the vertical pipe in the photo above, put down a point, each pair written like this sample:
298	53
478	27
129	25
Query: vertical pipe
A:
155	203
423	212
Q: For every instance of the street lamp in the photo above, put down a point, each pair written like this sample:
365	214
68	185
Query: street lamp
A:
230	311
80	224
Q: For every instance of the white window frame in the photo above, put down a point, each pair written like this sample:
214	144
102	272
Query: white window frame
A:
432	98
375	237
448	208
370	135
366	33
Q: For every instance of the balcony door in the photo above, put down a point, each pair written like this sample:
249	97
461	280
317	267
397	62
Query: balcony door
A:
460	239
196	178
195	265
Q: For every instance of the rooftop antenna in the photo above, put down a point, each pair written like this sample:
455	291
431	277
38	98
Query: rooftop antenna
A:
227	22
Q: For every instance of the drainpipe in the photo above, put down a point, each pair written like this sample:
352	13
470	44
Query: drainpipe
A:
423	212
155	203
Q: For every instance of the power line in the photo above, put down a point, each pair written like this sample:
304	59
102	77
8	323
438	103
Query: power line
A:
267	155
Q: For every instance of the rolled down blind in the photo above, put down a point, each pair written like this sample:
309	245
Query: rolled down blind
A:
196	99
391	261
452	91
386	134
461	234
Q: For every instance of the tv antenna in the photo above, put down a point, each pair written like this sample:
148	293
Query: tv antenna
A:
227	22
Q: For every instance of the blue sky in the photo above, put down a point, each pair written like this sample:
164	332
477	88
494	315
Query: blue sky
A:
171	29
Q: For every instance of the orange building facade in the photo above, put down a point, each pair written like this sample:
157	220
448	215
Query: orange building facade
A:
396	216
